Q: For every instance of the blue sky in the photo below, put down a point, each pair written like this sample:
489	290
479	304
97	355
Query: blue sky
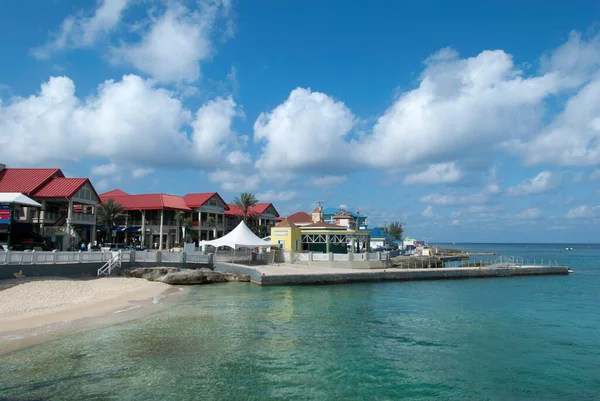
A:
468	121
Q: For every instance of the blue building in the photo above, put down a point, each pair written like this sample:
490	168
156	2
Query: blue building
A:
331	214
379	238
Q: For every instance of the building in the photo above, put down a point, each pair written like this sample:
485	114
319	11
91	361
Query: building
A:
68	214
148	219
208	216
341	216
379	238
148	215
319	237
300	219
287	235
262	217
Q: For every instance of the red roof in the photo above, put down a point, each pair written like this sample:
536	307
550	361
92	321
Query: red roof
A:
257	209
114	192
26	180
285	223
197	200
317	210
62	188
149	202
300	217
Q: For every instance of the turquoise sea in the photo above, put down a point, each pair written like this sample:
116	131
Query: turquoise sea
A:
521	338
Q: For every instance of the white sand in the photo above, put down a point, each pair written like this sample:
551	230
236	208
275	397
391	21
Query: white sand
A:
34	302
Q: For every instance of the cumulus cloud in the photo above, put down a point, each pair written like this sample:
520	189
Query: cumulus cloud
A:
307	131
442	173
102	185
543	182
583	212
83	30
174	44
428	212
132	113
233	181
595	175
527	214
273	196
104	169
328	180
141	172
451	199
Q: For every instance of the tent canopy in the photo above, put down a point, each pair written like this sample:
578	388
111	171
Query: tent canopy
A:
240	237
17	198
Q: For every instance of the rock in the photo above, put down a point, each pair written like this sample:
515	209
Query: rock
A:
175	276
243	278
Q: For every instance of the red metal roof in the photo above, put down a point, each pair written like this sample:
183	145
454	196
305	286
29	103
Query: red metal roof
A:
26	180
257	209
197	200
149	202
114	192
300	217
62	188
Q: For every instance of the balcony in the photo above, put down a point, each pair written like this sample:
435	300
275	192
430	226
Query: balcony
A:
85	218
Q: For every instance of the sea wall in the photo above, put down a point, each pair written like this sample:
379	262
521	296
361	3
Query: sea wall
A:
405	274
89	269
255	275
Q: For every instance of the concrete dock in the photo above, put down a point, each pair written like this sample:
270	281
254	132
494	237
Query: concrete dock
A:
291	274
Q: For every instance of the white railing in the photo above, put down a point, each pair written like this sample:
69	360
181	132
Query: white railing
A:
320	256
90	218
170	256
302	256
373	255
359	256
340	257
42	257
146	256
113	262
197	258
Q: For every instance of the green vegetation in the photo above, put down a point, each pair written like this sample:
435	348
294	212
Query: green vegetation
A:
395	230
107	214
245	202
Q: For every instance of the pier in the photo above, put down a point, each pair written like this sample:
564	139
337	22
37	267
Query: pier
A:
290	274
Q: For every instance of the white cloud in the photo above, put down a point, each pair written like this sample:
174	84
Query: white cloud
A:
527	214
141	172
102	185
442	173
328	180
175	43
343	206
578	177
428	212
104	169
459	104
232	181
595	175
573	136
57	126
238	158
461	199
307	131
583	212
543	182
272	196
84	30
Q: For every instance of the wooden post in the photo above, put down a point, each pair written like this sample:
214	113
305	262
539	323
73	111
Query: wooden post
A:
160	240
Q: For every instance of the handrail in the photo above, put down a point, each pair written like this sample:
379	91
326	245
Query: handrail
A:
114	261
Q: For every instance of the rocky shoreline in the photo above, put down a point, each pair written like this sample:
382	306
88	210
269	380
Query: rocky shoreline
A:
175	276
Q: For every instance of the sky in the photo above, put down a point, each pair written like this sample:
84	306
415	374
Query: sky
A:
468	121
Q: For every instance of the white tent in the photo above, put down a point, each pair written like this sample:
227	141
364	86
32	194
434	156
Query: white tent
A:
17	198
240	237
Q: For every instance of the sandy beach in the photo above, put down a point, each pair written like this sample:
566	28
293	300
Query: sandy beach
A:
33	302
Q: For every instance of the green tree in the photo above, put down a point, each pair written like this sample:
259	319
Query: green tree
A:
107	214
395	230
245	202
183	221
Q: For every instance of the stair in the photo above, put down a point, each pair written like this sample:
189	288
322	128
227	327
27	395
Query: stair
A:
113	263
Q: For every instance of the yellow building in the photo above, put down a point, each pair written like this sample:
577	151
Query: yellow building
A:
287	235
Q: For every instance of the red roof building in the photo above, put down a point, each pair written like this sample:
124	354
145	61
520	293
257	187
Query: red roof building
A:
200	199
256	210
63	188
300	219
26	180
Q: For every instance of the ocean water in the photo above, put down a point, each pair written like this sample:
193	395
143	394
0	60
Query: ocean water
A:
521	338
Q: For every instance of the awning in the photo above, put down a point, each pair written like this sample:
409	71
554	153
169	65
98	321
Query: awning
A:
118	229
133	229
17	198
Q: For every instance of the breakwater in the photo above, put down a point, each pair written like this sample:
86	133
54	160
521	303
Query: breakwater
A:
302	275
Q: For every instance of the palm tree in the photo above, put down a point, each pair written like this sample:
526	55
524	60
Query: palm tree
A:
107	214
184	222
245	202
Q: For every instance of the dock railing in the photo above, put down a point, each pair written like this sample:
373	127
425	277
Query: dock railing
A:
518	261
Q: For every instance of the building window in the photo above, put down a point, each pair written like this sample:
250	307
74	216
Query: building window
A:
281	243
